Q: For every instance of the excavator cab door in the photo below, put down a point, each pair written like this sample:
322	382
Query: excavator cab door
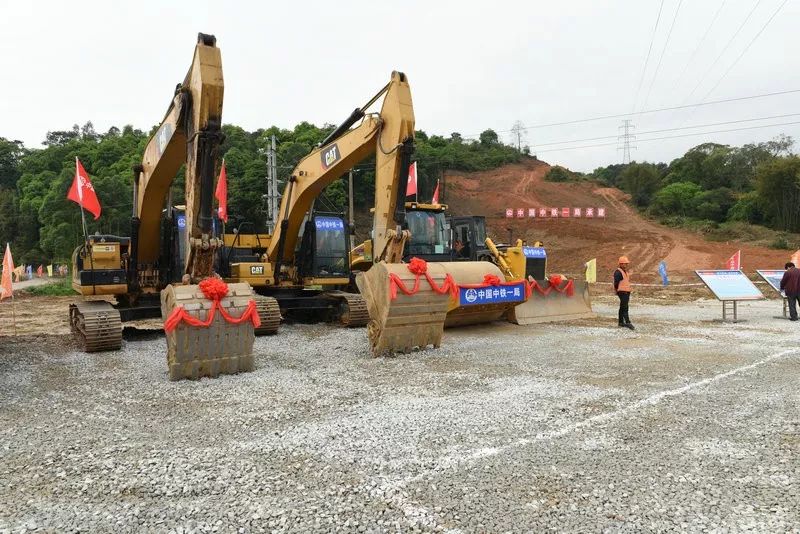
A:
324	248
173	246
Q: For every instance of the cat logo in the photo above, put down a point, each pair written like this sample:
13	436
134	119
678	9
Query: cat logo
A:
257	270
330	156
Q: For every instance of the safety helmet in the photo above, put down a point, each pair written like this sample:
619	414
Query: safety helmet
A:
624	259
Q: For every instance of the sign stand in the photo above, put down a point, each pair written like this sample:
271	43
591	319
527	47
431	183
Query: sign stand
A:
730	287
729	308
773	278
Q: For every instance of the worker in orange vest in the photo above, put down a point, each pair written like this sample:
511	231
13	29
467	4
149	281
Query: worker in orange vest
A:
622	285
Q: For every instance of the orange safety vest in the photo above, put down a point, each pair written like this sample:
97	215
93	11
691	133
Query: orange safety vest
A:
625	283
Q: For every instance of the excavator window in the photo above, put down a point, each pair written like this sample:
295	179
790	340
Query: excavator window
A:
330	247
428	233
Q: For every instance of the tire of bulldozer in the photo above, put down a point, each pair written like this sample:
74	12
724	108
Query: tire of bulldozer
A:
269	312
96	326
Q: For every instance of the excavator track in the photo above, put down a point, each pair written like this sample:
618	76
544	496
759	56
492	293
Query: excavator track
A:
96	325
269	312
353	308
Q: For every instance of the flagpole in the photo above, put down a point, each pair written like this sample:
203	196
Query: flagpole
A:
83	221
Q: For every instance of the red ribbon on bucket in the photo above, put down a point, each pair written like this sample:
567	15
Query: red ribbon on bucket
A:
214	290
419	268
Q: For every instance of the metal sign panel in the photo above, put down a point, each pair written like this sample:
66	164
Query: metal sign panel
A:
328	223
729	285
534	252
491	294
773	278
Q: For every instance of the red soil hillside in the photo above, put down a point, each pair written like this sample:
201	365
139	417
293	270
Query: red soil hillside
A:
571	242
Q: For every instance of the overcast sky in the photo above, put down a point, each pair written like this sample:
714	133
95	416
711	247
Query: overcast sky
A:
471	65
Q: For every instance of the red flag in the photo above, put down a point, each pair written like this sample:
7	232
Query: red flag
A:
39	272
411	186
6	289
82	191
222	193
435	199
734	263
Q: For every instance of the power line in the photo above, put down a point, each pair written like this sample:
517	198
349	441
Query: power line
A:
661	57
672	129
647	58
699	45
674	136
657	110
725	49
764	27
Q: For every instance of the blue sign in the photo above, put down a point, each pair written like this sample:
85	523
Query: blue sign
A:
534	252
730	285
662	270
181	221
491	294
773	278
329	224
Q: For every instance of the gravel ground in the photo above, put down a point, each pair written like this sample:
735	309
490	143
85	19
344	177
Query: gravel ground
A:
685	424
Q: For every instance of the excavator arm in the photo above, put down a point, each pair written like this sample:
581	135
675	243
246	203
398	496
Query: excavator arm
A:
389	134
189	134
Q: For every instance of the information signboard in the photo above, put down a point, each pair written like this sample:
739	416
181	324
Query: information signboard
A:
491	294
730	285
773	278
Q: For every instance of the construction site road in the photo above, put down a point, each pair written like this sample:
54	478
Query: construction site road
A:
685	424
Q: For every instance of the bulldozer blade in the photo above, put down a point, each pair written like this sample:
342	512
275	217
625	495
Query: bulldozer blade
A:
467	308
407	322
553	307
221	347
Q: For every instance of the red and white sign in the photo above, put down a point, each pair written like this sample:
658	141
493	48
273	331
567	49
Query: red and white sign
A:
509	213
565	212
532	212
590	213
576	212
734	263
520	213
543	213
601	213
553	212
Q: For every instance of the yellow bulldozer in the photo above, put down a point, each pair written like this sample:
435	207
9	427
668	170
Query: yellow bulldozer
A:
165	268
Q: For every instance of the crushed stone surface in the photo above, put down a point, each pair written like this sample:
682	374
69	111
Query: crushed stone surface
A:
686	424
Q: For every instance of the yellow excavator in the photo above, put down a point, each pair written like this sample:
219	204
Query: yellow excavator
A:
305	263
171	249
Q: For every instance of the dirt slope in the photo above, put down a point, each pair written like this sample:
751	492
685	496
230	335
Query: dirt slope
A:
571	242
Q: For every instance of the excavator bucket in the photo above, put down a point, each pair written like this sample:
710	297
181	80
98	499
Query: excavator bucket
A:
222	347
554	306
405	322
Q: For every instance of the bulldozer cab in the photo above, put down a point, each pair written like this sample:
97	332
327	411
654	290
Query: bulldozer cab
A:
469	235
324	247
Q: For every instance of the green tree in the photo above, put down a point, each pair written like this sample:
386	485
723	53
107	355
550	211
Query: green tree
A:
675	199
779	191
641	180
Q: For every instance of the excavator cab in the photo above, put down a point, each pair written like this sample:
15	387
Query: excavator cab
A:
324	248
430	232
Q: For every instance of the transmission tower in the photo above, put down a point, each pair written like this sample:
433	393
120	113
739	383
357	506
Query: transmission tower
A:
625	137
